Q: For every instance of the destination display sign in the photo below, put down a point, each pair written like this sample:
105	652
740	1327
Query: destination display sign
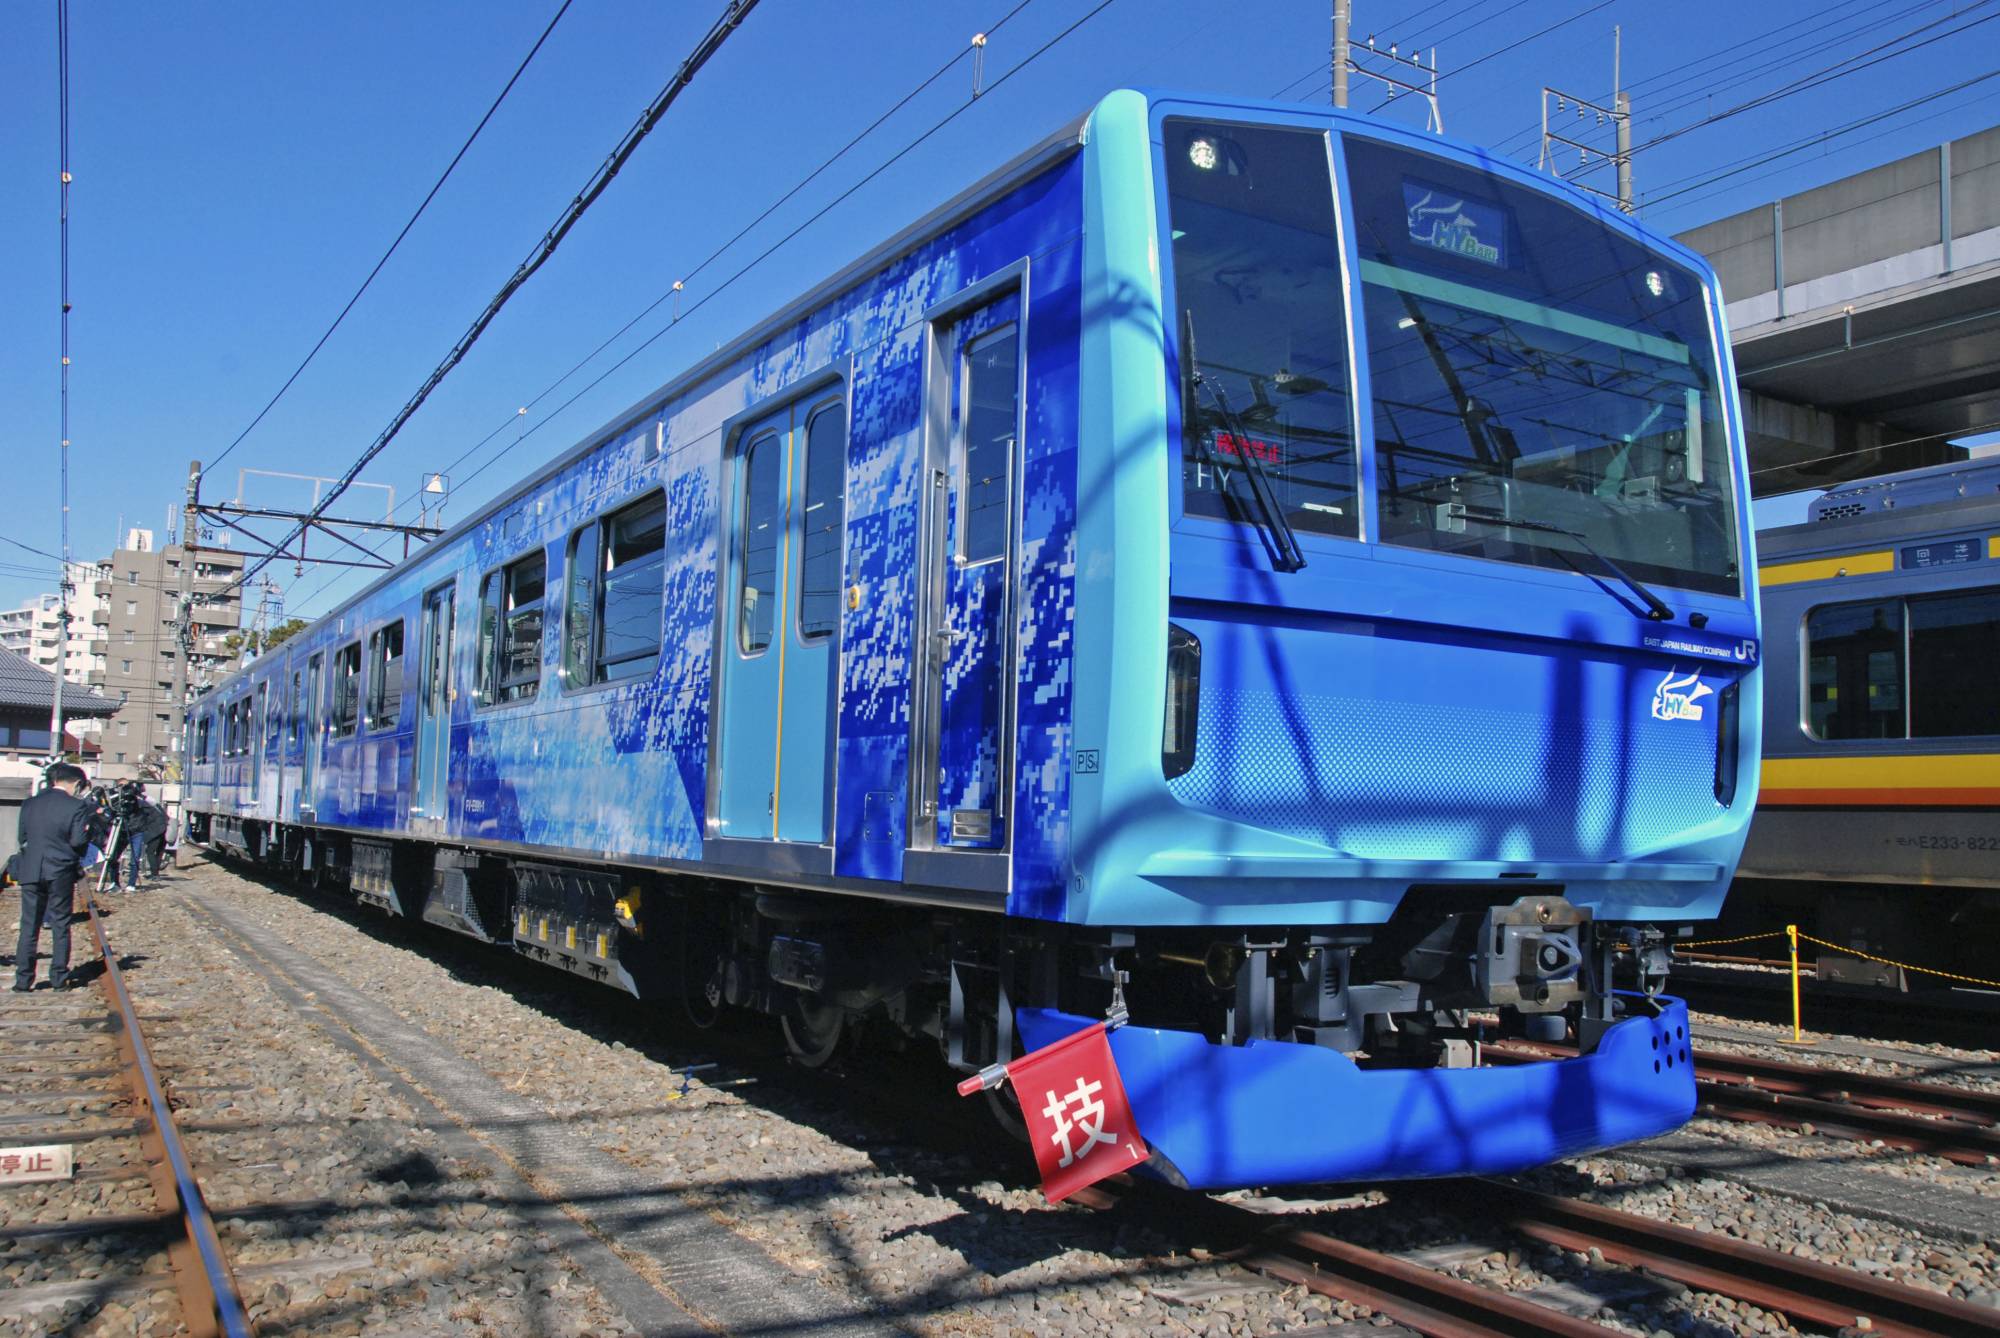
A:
1944	553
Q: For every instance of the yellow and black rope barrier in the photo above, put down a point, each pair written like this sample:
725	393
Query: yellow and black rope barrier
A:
1792	934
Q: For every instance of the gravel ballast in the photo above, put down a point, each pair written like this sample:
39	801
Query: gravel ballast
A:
367	1098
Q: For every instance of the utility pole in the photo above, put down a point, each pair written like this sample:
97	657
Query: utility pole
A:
1621	103
1589	157
63	588
1343	18
184	616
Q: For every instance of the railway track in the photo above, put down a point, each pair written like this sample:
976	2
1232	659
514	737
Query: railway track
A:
55	1048
1808	1293
1954	1123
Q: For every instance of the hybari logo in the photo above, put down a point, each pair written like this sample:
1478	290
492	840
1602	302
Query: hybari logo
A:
1679	698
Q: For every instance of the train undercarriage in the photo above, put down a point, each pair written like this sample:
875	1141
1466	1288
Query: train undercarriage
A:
1456	964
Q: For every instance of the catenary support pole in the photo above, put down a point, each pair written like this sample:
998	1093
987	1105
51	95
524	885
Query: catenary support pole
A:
184	621
1343	19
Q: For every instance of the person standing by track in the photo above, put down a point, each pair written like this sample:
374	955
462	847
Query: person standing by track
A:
54	834
152	820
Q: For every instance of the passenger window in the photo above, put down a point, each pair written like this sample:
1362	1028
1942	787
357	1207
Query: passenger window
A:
271	721
201	739
385	676
628	627
295	714
1954	644
1862	683
1855	670
510	630
489	638
346	689
763	521
991	424
580	607
824	517
521	629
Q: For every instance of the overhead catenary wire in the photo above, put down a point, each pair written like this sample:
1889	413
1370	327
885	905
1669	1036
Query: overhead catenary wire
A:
425	204
732	17
711	294
1817	141
1697	181
1823	76
1756	47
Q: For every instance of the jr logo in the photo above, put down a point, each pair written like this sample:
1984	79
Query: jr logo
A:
1679	698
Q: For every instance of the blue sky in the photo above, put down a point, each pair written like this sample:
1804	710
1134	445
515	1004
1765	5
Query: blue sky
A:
239	168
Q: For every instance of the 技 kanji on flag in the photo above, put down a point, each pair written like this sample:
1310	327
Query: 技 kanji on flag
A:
1078	1119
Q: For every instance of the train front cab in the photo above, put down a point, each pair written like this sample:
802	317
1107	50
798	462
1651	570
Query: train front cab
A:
1453	687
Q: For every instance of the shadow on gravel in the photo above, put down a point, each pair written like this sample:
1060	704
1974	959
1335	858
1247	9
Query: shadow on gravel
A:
899	1109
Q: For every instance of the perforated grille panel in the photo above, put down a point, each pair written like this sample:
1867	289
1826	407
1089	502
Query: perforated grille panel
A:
1401	779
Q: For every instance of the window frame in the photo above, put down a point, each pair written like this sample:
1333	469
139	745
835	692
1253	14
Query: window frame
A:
1360	431
961	448
837	404
373	698
586	672
741	539
353	724
492	641
1906	666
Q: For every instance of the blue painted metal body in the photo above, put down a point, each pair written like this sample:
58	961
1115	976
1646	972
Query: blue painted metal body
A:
1384	717
1272	1113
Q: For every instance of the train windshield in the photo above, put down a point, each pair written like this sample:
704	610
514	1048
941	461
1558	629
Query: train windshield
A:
1268	434
1544	387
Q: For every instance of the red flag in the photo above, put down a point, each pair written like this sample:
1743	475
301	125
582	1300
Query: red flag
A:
1079	1122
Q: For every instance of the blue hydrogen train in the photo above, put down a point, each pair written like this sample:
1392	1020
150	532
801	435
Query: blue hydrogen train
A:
1286	572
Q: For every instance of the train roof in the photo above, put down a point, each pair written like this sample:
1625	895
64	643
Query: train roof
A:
1930	486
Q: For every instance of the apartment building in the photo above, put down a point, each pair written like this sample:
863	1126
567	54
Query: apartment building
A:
130	639
32	630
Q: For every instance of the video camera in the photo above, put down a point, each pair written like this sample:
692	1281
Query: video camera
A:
122	801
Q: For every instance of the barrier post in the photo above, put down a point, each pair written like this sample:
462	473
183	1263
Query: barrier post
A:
1792	934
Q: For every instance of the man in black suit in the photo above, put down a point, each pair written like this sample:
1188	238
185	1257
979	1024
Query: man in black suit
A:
54	835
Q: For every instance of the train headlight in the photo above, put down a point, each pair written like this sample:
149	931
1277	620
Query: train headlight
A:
1204	153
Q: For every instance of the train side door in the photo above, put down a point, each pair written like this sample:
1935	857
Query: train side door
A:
962	751
254	793
786	522
429	791
312	729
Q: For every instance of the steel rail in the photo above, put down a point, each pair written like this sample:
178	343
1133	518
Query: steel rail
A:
210	1302
1954	1140
1834	1102
1861	1089
1803	1290
1433	1303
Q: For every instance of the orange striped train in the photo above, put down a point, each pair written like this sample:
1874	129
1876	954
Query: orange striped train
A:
1878	820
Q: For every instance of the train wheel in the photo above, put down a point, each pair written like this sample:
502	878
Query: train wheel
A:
702	1005
812	1030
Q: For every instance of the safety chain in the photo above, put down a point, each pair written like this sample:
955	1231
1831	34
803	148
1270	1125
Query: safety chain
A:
1929	971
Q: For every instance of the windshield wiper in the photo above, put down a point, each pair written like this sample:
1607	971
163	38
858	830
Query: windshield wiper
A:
1286	555
1656	609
